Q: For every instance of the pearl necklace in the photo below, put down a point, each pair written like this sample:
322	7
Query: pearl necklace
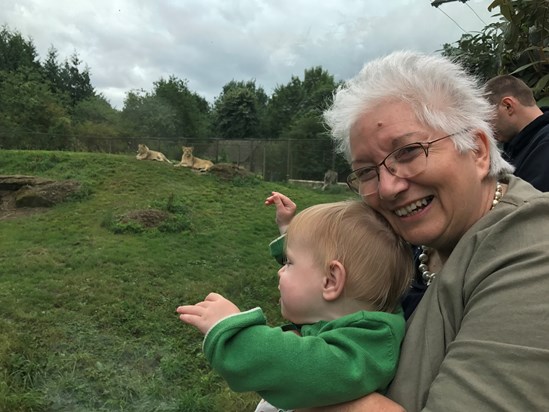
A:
426	274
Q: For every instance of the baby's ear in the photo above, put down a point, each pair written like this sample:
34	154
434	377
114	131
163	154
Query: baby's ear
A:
334	281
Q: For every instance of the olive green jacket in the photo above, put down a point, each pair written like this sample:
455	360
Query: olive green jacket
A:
479	339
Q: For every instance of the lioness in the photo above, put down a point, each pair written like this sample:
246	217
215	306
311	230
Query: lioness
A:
188	160
144	153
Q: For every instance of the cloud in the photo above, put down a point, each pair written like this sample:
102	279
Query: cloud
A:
130	44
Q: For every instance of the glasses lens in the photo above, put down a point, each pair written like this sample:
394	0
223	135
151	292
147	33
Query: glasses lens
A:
407	161
363	181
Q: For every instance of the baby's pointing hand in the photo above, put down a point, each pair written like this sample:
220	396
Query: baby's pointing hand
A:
207	313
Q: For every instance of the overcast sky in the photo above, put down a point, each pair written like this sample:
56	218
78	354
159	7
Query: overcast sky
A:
129	44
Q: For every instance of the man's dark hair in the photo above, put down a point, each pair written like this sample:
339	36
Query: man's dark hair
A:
507	85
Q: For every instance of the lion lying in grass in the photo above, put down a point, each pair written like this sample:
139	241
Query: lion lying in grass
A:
144	153
188	160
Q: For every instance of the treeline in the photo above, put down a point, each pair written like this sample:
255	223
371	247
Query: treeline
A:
52	103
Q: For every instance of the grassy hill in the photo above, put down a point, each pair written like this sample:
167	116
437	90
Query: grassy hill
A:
87	302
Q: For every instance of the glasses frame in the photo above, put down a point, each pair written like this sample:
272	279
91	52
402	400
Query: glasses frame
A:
424	145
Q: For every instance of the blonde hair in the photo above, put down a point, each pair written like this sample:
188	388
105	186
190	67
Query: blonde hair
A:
378	262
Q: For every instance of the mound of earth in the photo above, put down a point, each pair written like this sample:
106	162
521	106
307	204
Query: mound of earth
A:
147	217
24	195
227	171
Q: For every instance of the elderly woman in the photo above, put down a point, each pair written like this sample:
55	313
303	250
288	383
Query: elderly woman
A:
416	129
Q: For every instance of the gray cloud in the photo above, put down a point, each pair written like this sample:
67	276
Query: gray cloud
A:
129	44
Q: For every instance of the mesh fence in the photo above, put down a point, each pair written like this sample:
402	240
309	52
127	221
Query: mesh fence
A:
273	159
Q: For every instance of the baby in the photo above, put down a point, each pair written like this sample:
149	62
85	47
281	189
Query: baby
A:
344	273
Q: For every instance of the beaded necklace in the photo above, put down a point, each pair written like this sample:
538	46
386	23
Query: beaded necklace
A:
426	274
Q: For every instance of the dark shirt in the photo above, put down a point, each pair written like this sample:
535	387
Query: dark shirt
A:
528	151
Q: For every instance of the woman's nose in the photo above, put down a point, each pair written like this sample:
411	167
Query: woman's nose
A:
389	185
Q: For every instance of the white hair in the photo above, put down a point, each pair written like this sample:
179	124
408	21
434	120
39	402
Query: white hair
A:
440	92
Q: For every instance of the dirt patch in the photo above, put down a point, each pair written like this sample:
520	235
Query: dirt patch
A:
7	214
147	218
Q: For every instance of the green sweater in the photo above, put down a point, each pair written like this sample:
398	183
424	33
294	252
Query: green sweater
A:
331	362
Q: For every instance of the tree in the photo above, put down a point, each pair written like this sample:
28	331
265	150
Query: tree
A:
74	83
94	116
526	37
192	111
171	110
30	112
480	53
295	113
300	103
318	86
518	44
283	106
145	114
16	52
52	71
239	111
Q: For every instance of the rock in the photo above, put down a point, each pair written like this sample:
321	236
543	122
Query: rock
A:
19	193
16	182
47	194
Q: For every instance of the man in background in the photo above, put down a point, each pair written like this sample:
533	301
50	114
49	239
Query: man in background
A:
522	127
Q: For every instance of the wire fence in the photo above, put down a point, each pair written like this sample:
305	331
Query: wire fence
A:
273	159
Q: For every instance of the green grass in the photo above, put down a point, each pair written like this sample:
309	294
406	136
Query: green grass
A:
87	315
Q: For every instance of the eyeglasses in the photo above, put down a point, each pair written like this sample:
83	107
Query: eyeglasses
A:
405	162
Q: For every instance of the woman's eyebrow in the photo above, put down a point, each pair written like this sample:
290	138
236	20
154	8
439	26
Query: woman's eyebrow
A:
406	138
396	142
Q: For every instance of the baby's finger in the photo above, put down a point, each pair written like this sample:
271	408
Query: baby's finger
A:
213	297
271	200
190	309
190	319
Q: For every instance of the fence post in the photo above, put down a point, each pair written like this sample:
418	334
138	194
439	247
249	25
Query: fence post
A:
264	159
251	155
288	158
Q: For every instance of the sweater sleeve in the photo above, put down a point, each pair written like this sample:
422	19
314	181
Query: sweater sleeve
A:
276	247
332	362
